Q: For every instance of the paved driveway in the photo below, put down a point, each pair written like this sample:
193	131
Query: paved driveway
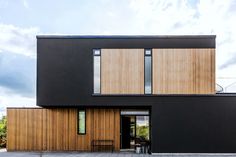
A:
69	154
121	154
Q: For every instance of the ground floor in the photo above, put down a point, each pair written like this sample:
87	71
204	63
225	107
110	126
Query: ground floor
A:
193	124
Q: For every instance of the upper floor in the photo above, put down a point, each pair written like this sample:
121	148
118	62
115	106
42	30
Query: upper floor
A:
79	69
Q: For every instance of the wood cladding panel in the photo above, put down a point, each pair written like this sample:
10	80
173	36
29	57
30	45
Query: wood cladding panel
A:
122	71
56	129
183	71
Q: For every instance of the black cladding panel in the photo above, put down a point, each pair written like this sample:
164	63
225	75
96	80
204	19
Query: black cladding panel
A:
194	125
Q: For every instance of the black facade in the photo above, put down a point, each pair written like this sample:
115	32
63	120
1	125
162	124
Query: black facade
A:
180	123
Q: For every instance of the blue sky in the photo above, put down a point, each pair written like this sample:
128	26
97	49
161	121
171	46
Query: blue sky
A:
22	20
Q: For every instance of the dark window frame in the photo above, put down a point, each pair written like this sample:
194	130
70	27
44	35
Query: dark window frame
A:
78	120
95	55
148	55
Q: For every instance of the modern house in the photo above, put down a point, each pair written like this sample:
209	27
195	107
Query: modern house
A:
121	90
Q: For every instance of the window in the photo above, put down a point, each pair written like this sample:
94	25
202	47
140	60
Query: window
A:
148	71
81	128
96	70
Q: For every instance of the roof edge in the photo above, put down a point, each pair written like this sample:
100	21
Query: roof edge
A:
35	107
125	36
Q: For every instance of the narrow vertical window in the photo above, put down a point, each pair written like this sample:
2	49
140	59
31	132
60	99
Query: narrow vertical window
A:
96	70
81	122
148	71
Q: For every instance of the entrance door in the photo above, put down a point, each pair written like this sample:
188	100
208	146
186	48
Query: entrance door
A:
125	131
128	132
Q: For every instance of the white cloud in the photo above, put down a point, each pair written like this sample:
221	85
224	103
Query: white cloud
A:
3	3
14	100
26	4
181	17
18	40
163	17
22	43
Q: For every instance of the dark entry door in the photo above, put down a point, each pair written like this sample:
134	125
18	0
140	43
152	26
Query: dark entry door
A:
125	132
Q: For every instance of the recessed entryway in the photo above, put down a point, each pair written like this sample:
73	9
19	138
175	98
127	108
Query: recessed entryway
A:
135	129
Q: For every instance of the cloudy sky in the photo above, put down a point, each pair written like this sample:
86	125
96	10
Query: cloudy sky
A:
22	20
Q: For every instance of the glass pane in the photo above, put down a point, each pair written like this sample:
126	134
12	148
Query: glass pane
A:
142	127
148	52
96	74
148	75
82	122
96	52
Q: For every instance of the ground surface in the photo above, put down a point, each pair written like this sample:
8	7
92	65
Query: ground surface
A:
3	153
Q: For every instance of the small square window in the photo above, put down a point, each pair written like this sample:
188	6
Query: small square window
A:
148	52
97	52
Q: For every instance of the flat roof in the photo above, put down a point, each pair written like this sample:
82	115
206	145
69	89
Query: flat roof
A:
127	36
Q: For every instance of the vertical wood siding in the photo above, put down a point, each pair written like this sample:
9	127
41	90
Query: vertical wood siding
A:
183	71
175	71
122	71
56	129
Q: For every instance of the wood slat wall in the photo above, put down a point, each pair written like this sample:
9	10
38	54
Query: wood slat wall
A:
122	71
56	129
183	71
